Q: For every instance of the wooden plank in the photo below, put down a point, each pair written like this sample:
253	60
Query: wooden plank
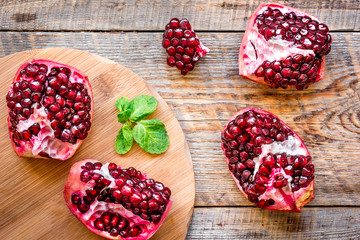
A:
31	189
251	223
326	115
224	15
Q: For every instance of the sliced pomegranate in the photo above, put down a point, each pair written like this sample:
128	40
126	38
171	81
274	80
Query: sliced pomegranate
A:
284	47
116	203
183	47
268	161
50	109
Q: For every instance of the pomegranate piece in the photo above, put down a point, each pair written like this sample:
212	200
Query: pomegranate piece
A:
50	110
268	161
284	47
183	47
116	203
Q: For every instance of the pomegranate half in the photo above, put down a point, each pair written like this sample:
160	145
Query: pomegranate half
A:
268	161
50	110
284	47
116	203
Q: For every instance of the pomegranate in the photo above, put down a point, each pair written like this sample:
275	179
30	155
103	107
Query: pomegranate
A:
284	47
50	110
268	161
116	203
183	47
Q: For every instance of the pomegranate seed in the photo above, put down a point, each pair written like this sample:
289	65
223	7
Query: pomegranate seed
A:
75	199
269	161
245	175
174	23
83	207
250	164
65	135
32	70
54	82
98	224
54	107
35	129
97	165
280	182
26	135
262	180
262	204
114	232
112	166
127	190
36	86
23	85
135	231
171	61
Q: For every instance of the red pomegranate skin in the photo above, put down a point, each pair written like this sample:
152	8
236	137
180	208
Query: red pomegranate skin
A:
55	148
98	208
256	49
285	200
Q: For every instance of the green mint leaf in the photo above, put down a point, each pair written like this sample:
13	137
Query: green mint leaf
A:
124	116
151	135
123	104
124	140
141	107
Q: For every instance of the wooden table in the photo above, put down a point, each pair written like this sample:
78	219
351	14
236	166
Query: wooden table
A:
326	116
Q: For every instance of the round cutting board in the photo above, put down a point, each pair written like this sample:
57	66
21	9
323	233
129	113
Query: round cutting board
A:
31	200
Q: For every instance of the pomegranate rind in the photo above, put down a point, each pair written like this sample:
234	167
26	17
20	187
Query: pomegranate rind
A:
67	149
73	184
243	67
301	197
202	50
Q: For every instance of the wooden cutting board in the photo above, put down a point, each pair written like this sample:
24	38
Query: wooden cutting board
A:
31	201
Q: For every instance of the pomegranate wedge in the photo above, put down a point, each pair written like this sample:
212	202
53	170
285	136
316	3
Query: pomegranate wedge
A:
182	45
116	203
268	161
50	109
284	47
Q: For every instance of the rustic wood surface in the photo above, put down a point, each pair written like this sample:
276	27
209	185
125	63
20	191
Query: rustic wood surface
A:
250	223
41	179
326	115
212	15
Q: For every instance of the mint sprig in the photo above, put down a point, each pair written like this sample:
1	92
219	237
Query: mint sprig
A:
123	104
124	140
141	107
150	134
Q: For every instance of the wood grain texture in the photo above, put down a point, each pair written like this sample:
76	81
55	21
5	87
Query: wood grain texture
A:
326	115
250	223
31	189
209	15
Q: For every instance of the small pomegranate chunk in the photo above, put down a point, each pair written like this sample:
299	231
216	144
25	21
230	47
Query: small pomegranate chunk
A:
50	110
284	47
183	47
116	203
268	161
